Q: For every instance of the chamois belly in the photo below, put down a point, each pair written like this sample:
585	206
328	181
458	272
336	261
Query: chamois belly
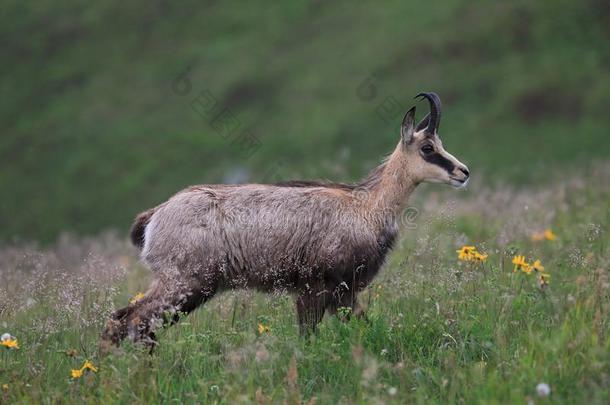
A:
268	264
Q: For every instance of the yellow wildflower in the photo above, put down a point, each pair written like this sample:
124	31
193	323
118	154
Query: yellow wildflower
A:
470	254
263	329
465	253
136	298
549	235
537	266
5	387
10	343
479	257
89	366
76	373
546	235
520	263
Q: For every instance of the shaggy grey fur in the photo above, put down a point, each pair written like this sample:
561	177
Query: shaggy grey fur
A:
322	242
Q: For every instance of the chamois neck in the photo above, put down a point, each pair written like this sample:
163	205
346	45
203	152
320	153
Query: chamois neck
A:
390	184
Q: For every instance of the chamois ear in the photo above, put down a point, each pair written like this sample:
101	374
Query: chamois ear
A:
406	128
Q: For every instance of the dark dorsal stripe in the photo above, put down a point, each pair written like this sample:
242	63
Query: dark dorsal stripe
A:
306	184
440	160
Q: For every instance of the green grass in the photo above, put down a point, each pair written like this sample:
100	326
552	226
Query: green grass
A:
91	132
438	330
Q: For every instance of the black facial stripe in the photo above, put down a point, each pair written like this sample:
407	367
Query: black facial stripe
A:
440	160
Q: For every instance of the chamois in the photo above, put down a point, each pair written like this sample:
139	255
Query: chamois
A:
322	242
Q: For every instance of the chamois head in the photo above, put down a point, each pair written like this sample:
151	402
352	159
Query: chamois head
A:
427	159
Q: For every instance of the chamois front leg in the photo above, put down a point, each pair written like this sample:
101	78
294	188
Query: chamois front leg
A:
311	306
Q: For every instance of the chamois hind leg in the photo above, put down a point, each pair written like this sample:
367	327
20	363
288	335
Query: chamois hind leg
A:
311	306
337	309
346	299
162	305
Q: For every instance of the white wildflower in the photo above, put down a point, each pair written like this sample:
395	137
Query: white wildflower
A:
543	390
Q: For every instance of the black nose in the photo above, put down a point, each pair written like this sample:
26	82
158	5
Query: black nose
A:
465	171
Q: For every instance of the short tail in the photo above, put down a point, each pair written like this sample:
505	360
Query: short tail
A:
139	227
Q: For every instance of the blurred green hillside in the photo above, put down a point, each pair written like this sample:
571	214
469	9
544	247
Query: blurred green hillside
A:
97	117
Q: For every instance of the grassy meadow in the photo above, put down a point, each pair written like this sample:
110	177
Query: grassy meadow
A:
93	128
438	329
97	124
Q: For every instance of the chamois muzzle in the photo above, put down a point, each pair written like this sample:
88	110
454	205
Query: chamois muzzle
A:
434	117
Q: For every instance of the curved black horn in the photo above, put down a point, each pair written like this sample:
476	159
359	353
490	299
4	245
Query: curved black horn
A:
435	111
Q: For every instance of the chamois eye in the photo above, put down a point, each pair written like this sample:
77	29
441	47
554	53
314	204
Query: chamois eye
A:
427	149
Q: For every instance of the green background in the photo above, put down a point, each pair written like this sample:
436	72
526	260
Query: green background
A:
92	132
